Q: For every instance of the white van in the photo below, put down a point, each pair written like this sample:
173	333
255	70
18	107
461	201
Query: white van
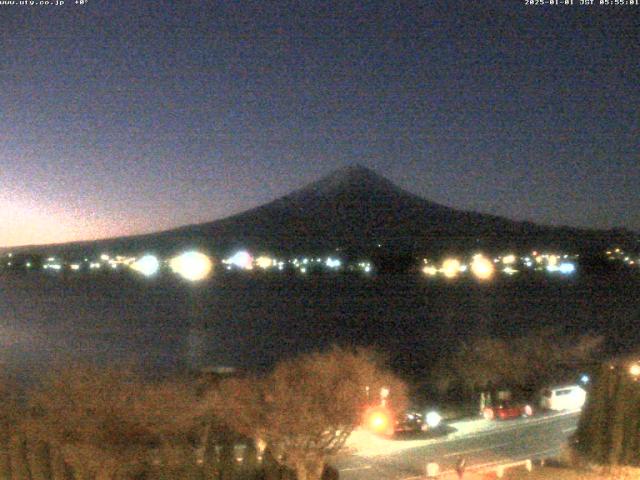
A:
570	397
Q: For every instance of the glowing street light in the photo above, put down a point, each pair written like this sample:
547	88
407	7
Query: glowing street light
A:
482	267
430	270
241	259
451	267
379	420
509	259
566	268
192	266
147	265
634	369
265	262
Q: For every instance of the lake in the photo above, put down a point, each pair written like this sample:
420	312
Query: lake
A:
252	320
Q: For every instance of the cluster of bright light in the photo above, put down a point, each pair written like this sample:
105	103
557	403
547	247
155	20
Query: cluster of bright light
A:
510	270
482	267
630	259
193	266
485	268
305	264
549	262
564	268
241	259
119	260
333	263
365	267
147	265
265	262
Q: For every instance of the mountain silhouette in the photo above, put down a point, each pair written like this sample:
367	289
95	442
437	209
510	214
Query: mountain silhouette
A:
356	211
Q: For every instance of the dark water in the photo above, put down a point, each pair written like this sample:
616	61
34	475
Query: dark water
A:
254	320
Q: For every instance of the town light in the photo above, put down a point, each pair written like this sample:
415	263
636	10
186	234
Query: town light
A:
509	259
333	263
430	270
147	265
192	266
482	267
566	268
451	267
241	259
264	262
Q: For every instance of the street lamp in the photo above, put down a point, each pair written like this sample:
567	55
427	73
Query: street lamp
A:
384	394
482	267
193	266
451	267
634	370
147	265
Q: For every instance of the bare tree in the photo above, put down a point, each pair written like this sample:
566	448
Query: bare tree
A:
307	407
525	362
108	423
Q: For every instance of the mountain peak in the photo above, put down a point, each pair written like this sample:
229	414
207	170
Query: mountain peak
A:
355	171
353	177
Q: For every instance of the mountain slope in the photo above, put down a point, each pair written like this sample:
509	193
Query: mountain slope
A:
355	210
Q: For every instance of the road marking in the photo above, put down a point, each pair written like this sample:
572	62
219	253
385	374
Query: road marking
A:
472	450
352	469
570	429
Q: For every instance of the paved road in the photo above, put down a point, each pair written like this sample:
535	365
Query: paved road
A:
537	437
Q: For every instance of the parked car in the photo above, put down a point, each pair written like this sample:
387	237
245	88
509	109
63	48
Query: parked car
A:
419	420
505	409
569	397
410	421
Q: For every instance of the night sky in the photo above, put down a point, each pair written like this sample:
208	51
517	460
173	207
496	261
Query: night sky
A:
121	117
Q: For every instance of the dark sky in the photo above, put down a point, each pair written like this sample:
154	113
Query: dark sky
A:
122	117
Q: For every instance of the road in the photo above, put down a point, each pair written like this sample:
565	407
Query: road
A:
490	444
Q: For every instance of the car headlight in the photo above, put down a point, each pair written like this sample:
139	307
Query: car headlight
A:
433	419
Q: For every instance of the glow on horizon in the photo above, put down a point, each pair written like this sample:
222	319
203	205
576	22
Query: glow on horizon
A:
26	222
